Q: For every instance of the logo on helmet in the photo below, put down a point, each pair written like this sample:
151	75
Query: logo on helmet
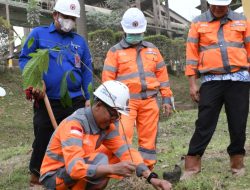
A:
72	6
108	94
135	24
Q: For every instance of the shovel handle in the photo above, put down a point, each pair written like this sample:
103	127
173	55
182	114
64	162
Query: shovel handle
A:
50	112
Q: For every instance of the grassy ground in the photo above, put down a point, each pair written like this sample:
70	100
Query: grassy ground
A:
16	137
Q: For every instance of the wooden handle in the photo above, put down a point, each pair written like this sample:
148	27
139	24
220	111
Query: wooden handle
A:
50	112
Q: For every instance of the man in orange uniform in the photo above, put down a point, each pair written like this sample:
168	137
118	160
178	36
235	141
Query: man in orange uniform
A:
218	50
140	66
86	148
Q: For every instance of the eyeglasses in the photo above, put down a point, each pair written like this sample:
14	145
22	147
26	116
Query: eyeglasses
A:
114	114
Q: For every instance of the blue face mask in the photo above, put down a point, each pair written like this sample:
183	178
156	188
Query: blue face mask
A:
134	38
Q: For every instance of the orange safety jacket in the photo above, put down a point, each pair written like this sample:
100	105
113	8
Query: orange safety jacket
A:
218	45
76	138
141	68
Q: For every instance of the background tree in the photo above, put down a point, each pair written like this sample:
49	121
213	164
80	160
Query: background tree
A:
97	20
4	38
33	13
81	22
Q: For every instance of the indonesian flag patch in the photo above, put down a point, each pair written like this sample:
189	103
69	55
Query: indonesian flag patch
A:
76	130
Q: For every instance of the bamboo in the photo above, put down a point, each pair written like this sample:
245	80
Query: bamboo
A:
50	111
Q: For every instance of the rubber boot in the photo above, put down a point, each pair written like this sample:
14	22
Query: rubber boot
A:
192	166
237	165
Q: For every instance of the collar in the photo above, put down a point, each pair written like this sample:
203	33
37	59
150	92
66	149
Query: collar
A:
126	45
92	124
52	27
210	17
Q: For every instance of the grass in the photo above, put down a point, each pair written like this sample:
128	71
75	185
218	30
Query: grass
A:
16	136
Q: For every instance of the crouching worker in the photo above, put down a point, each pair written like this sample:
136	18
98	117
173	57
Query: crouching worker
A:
86	149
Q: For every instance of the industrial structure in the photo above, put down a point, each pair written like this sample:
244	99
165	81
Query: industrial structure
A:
160	17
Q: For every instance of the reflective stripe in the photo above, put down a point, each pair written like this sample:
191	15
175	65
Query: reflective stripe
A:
91	170
72	142
62	173
125	77
121	150
220	69
100	159
147	154
55	156
227	44
73	162
192	62
205	48
193	40
164	84
247	39
112	134
223	46
142	74
49	173
140	169
49	181
143	94
160	65
134	75
109	68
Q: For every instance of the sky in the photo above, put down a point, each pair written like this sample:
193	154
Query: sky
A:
185	8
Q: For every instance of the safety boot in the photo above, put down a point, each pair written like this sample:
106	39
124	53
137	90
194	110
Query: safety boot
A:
237	165
192	166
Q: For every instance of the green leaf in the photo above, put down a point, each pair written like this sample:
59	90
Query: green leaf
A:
59	58
30	42
72	76
34	69
66	100
90	89
65	97
56	48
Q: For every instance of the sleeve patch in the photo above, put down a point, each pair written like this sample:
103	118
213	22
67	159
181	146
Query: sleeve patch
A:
76	130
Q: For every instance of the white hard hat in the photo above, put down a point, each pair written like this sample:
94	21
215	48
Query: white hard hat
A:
2	92
219	2
68	7
115	94
134	21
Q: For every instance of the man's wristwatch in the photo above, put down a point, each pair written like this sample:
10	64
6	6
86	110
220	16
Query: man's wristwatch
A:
151	175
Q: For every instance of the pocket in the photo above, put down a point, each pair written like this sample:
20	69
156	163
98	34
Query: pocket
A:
237	33
204	30
151	57
150	62
124	59
207	36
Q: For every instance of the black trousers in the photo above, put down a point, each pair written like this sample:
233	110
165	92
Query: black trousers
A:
43	128
213	95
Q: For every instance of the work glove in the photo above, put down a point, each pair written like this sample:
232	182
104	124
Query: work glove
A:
33	94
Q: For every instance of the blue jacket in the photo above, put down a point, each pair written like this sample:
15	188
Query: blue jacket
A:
71	47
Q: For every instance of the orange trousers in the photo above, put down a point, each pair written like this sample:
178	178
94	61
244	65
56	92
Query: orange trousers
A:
144	115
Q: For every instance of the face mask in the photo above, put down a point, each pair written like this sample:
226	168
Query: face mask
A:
66	24
134	38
